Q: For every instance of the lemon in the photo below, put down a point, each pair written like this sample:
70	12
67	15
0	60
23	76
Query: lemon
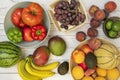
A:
100	78
77	72
87	78
113	74
101	72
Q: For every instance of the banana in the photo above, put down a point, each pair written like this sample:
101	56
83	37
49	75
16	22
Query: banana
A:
22	72
50	66
38	73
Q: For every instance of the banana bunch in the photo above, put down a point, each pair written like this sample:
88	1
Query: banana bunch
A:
29	71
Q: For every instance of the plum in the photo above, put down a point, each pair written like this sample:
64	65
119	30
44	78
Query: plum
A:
92	32
99	15
80	36
95	23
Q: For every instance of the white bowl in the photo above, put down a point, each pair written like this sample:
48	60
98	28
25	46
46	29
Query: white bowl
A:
8	23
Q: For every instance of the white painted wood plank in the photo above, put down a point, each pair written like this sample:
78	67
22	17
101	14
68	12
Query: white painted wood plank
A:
17	77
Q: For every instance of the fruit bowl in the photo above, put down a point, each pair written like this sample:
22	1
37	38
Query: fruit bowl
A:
67	24
73	62
8	24
110	28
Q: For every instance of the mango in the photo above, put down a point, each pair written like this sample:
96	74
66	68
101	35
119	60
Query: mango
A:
57	45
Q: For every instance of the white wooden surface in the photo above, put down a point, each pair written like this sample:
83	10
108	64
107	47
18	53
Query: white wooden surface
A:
11	73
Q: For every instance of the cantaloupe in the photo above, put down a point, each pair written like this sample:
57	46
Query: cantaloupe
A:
108	56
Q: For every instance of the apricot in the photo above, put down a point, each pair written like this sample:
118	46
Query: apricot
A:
78	56
80	36
110	6
92	32
99	15
93	9
95	23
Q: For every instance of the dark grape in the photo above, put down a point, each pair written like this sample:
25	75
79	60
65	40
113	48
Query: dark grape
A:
56	15
66	27
73	16
59	18
67	19
67	13
62	21
71	6
64	16
59	11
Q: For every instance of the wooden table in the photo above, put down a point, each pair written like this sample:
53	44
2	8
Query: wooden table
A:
12	74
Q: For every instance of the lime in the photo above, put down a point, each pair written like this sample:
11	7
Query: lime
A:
108	24
112	34
116	26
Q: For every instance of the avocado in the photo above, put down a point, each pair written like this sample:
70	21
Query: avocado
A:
63	68
56	45
90	60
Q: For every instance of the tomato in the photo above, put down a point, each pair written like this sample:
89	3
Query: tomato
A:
27	34
17	18
33	14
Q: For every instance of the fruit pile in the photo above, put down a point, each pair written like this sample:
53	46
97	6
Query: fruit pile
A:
68	13
95	60
28	24
37	67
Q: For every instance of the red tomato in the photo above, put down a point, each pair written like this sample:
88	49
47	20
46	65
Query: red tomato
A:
17	18
27	34
33	14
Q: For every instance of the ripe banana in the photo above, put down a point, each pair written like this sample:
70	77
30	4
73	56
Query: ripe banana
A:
22	72
50	66
38	73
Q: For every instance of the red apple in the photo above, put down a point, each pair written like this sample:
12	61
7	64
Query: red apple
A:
17	18
41	55
27	34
